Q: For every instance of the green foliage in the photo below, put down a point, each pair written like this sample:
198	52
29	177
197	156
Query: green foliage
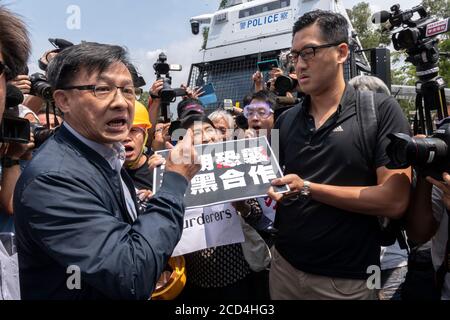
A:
144	98
223	4
369	34
205	33
438	8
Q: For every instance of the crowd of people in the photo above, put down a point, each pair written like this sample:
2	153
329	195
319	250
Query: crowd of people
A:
85	196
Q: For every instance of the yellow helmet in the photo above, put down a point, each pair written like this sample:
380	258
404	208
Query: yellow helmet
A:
141	117
171	286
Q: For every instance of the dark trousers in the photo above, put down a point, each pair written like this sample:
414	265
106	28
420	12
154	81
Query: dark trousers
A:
254	286
419	282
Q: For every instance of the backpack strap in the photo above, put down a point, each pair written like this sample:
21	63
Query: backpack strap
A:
289	121
367	116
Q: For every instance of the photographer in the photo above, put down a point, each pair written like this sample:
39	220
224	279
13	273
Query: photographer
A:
14	53
427	219
14	50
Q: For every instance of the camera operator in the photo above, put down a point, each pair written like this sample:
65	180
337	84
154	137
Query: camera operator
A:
14	50
154	105
14	53
288	86
427	219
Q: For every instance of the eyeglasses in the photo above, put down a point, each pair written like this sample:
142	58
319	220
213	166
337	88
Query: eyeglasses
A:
4	69
261	110
308	52
105	91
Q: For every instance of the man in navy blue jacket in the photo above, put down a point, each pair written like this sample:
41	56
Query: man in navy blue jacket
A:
78	232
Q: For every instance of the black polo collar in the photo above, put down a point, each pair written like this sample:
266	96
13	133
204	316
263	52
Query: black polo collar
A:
347	100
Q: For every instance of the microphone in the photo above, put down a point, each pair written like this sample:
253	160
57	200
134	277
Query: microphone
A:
14	96
381	17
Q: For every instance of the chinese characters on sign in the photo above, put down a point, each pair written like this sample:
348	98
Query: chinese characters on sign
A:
231	171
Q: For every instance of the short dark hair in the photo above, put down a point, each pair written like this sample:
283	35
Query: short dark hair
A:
90	56
14	42
265	96
333	26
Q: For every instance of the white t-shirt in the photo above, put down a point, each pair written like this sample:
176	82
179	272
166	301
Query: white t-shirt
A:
439	241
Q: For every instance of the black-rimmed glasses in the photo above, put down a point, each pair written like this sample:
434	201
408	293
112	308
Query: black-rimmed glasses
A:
309	52
104	91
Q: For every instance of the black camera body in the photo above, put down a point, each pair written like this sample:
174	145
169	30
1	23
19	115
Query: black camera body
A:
285	84
40	86
430	156
417	36
162	71
41	133
13	128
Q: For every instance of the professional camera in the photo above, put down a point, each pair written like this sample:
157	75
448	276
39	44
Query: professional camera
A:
41	133
285	84
13	128
40	87
162	71
417	37
430	156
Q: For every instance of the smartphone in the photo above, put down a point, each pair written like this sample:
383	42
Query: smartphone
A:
209	94
267	65
208	89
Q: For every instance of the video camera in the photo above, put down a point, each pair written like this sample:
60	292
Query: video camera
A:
418	37
13	128
162	71
16	129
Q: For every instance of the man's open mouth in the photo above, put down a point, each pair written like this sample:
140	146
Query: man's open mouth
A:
117	123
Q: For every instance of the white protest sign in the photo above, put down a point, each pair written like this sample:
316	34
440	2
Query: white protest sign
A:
209	227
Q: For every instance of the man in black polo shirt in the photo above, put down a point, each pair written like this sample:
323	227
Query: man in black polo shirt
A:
329	236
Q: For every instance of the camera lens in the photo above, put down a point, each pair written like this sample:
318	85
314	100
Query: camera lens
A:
284	84
405	151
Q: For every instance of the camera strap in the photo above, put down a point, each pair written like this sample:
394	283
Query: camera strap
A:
368	120
367	117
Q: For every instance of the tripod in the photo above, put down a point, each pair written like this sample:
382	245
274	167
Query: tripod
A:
430	96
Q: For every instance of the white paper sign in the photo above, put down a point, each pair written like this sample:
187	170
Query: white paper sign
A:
209	227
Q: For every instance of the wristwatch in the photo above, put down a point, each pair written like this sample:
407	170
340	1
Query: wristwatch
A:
8	162
306	189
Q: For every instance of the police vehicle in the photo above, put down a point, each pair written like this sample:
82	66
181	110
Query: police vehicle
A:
246	32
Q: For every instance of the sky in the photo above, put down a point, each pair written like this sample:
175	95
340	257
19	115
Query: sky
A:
145	27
